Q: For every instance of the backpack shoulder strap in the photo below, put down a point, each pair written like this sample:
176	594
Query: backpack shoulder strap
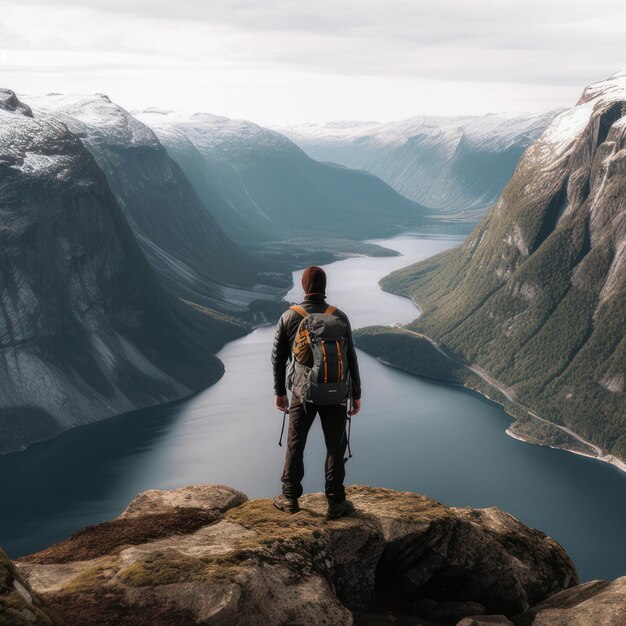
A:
330	310
300	310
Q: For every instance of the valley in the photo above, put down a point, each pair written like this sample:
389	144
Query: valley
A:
169	243
415	434
312	314
125	272
457	166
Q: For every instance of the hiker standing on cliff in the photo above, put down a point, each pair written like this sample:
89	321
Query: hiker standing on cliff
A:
315	339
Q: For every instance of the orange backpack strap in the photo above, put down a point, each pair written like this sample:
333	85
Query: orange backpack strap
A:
298	309
330	310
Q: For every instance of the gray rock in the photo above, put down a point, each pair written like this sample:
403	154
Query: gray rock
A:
19	604
596	602
211	497
250	563
10	102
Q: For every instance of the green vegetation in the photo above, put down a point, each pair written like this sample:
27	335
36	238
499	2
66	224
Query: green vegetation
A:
536	297
301	252
408	352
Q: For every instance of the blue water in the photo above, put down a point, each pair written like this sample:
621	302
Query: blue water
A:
412	434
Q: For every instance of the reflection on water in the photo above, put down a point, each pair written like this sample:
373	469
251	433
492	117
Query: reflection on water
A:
412	434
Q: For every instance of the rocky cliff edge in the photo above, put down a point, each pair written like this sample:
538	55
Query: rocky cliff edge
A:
208	555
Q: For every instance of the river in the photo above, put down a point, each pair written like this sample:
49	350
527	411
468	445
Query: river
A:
412	434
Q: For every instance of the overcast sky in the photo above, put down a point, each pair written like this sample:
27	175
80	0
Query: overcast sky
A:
288	62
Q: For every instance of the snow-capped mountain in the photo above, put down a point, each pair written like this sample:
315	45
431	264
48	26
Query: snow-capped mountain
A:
455	165
537	294
86	330
261	187
179	236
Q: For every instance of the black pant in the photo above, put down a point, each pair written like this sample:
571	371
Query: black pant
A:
333	418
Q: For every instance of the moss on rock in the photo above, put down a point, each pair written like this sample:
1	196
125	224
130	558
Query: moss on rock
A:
256	564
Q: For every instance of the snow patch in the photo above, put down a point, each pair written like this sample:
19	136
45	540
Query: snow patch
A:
34	162
96	117
562	133
565	129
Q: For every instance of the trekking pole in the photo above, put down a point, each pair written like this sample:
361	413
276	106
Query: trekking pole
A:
349	429
282	430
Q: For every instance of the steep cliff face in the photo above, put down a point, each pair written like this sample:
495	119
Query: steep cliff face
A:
86	330
537	294
207	555
177	233
262	187
454	165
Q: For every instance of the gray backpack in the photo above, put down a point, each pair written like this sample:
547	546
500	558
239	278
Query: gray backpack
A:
319	365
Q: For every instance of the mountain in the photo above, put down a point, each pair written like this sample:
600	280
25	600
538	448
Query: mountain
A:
179	236
536	296
261	187
454	165
86	329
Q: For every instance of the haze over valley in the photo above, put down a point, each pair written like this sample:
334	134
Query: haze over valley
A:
456	166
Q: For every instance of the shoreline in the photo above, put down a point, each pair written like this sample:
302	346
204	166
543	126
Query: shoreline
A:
507	393
600	456
609	458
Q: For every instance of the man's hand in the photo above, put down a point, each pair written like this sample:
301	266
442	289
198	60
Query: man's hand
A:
356	407
282	403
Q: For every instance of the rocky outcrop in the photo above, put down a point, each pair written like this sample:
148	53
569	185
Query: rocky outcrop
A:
207	555
536	296
86	329
10	102
595	602
262	188
19	605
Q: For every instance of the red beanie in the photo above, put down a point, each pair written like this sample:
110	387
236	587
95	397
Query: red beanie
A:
314	280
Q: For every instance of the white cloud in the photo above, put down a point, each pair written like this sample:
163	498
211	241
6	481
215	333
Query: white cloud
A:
284	62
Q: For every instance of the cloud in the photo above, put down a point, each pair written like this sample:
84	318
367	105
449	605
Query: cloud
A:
437	45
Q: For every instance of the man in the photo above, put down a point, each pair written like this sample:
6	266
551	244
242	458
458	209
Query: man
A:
302	414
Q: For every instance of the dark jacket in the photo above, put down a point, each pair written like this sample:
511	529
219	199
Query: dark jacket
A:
285	334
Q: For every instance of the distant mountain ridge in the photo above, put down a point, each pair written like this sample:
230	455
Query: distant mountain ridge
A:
263	188
179	234
537	294
455	165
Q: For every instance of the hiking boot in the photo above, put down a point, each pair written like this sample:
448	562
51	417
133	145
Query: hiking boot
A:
288	505
340	509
